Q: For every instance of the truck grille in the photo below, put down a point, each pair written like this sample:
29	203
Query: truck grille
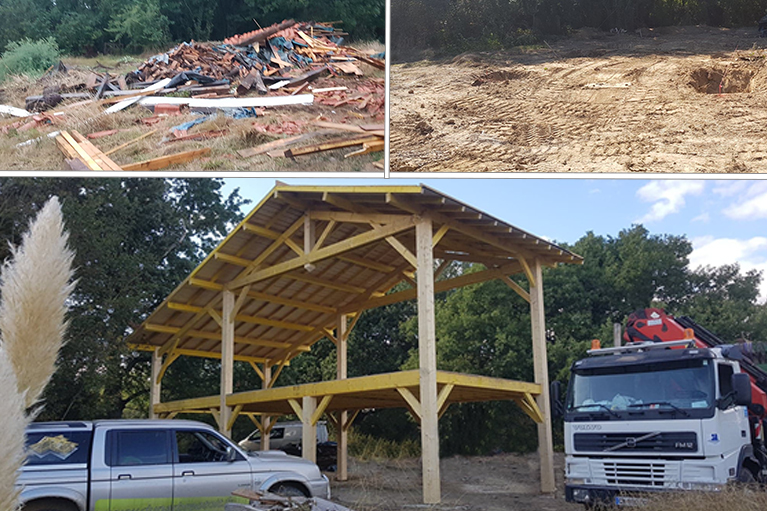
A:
685	441
634	473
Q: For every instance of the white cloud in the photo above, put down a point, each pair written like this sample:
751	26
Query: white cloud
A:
594	190
730	188
703	217
667	197
751	254
753	207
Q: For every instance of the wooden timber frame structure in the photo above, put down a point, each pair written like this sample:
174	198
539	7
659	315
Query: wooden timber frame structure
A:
304	265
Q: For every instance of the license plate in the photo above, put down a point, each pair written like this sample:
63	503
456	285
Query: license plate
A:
629	501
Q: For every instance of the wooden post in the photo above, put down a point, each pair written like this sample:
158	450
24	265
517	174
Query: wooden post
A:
427	359
617	335
309	430
540	364
227	361
342	434
154	385
265	420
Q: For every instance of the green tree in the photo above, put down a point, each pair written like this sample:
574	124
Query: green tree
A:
141	26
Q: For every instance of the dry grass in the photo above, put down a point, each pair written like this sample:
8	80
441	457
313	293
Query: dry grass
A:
732	498
365	447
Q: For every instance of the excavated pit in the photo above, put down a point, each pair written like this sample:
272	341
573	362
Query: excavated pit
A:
708	80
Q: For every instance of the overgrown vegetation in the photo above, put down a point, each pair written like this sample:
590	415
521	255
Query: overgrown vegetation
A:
27	57
731	498
112	26
462	25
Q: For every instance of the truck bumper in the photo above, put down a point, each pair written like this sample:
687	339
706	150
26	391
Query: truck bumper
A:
595	495
320	488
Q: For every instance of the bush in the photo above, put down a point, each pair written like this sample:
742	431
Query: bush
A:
28	57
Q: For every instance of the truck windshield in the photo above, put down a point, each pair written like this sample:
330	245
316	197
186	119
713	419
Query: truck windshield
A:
678	386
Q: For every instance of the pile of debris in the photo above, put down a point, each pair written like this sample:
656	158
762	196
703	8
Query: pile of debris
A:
266	501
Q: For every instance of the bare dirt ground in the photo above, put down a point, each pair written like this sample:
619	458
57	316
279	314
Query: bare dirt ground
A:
504	482
594	102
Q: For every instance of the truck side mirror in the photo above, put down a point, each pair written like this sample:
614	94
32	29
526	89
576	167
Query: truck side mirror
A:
555	393
741	388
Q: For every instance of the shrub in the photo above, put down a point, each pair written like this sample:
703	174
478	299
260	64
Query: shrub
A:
28	57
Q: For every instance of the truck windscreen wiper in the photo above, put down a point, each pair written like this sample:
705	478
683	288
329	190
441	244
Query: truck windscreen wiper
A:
659	403
575	408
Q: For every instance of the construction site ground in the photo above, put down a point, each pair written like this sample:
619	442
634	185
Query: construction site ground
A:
504	482
593	102
274	124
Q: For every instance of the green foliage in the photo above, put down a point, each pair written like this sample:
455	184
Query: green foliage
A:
140	26
77	32
28	57
23	19
366	447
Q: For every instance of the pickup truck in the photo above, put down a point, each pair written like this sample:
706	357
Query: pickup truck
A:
151	465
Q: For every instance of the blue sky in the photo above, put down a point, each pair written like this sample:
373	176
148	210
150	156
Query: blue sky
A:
726	220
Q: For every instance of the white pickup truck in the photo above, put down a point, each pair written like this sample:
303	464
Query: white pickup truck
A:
151	465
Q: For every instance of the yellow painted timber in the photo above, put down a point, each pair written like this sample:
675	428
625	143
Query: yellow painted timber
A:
414	189
325	283
216	317
439	235
165	365
442	285
216	415
412	402
356	218
213	354
516	288
274	246
403	250
241	299
258	370
296	406
444	393
528	271
349	421
235	414
325	233
239	261
206	284
216	336
320	409
344	203
321	254
161	329
274	323
261	231
292	303
383	268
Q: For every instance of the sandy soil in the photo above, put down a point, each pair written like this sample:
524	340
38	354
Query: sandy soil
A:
505	482
594	102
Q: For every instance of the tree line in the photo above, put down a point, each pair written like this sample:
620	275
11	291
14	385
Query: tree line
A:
462	25
87	27
135	239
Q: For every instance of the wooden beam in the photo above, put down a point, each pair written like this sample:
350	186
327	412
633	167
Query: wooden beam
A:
325	283
215	336
167	161
354	218
320	409
516	288
540	366
233	418
154	383
439	235
427	360
216	416
321	254
309	429
227	360
213	354
412	402
402	250
266	298
324	236
253	266
444	393
373	265
241	300
528	271
328	146
165	365
130	143
342	437
216	317
258	370
350	420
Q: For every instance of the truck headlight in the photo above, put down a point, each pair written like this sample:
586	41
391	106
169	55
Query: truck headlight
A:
581	495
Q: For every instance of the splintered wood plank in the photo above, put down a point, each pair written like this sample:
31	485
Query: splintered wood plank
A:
99	157
81	153
66	148
328	146
372	147
166	161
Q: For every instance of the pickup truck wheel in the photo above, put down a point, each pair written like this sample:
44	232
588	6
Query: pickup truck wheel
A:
289	490
50	505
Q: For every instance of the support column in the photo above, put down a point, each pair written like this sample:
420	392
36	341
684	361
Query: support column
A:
265	420
342	434
154	385
540	364
427	359
227	361
309	430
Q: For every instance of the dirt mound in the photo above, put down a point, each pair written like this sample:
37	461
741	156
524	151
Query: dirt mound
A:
721	80
499	76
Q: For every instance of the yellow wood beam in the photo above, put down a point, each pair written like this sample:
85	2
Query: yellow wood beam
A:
172	357
261	231
256	422
240	300
274	323
235	414
324	236
516	288
258	370
321	254
216	336
254	265
213	354
380	267
344	203
444	393
216	415
330	335
531	408
325	283
282	365
412	402
439	235
239	261
263	297
349	421
356	218
528	271
216	317
286	198
320	409
206	284
296	406
403	250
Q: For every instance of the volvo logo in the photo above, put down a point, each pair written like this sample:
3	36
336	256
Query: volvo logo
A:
631	442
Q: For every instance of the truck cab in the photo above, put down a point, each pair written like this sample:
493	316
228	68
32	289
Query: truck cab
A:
656	417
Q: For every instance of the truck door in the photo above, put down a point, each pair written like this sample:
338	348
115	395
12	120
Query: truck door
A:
203	479
141	470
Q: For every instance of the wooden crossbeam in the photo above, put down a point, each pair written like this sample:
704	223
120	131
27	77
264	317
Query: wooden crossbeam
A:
216	336
412	402
402	250
323	253
320	409
325	233
235	414
254	265
296	406
516	288
380	267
